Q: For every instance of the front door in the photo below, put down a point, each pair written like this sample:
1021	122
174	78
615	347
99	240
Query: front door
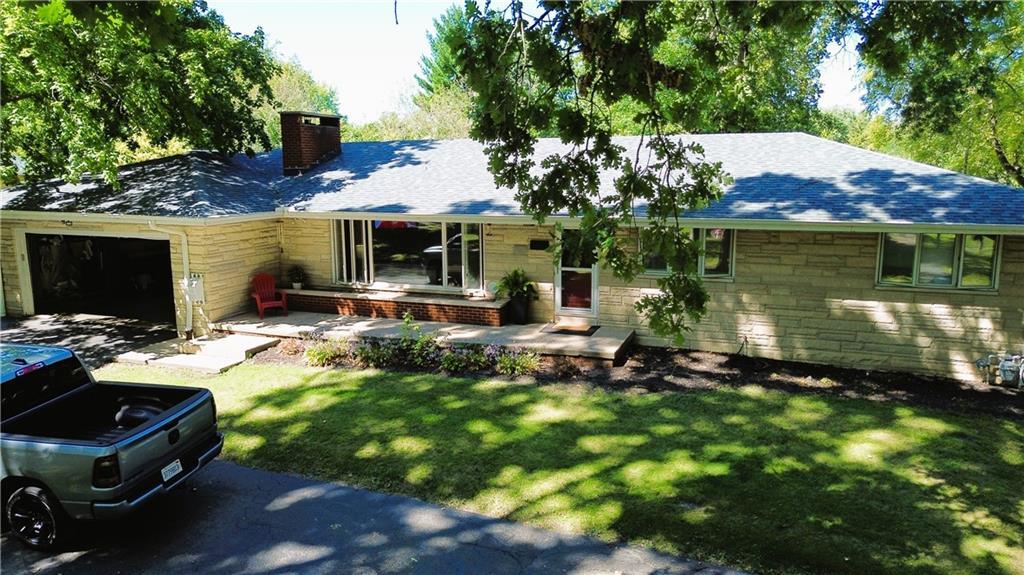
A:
576	276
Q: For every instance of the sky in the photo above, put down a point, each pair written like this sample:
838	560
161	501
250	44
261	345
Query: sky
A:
357	48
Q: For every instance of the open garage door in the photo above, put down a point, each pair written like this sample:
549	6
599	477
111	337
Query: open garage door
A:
121	277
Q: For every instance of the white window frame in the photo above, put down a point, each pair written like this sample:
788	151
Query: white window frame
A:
702	234
593	311
958	265
341	273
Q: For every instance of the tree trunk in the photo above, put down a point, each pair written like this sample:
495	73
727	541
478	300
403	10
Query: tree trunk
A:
1016	171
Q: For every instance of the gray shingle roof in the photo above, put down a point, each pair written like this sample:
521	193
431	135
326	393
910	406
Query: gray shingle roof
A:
778	177
196	184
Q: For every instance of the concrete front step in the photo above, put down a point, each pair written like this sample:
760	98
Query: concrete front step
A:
144	355
196	362
211	354
236	345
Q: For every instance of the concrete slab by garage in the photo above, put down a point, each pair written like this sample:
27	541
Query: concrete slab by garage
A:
232	519
96	339
607	343
212	354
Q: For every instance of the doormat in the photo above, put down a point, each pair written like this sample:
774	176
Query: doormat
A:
558	329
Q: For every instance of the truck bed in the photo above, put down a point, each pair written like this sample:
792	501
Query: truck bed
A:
92	415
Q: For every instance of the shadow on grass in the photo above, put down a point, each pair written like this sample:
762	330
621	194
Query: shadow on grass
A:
744	476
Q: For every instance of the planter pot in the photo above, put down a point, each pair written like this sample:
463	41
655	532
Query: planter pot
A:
518	310
296	285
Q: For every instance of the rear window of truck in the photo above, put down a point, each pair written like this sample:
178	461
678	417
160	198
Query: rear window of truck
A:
40	386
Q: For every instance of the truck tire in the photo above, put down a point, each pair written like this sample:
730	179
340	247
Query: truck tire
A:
35	518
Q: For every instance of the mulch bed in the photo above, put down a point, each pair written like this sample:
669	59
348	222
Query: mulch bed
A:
664	370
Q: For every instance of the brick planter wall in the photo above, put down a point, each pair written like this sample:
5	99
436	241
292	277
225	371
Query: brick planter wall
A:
423	311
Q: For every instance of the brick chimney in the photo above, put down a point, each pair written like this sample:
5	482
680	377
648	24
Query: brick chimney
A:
307	139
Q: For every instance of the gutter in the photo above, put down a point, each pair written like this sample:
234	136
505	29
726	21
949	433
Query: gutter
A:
281	213
186	276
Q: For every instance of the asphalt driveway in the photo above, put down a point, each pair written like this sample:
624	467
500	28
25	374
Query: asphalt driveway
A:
232	519
97	339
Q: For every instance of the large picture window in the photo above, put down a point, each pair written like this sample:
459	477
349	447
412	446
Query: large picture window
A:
716	254
967	261
408	253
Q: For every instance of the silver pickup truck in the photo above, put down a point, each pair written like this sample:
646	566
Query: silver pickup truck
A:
72	448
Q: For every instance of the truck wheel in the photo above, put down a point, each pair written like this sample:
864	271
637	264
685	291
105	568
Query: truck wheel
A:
35	517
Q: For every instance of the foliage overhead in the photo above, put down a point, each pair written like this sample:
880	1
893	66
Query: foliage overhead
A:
574	69
960	98
438	69
294	88
80	78
438	116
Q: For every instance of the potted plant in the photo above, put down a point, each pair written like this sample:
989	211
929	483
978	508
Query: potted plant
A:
297	275
520	290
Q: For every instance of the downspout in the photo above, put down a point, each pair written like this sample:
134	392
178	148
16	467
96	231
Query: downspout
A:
185	276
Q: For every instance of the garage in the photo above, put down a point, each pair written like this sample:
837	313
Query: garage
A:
113	276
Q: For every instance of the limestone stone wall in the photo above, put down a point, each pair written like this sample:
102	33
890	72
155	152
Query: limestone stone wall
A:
307	242
228	256
812	297
507	248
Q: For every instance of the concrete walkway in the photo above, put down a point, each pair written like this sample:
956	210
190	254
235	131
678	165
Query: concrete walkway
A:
606	343
238	520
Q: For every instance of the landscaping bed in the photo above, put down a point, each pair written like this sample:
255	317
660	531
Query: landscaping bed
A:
650	369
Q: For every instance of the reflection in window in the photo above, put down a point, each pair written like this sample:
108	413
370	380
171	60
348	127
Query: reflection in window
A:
979	261
898	253
938	256
715	259
938	260
408	253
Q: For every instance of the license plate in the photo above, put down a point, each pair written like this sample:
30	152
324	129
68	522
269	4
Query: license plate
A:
171	470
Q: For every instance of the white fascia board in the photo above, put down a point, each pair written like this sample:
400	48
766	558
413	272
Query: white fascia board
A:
512	219
130	219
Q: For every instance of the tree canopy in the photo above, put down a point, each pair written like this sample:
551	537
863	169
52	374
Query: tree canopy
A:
81	78
572	68
294	88
438	116
956	102
438	69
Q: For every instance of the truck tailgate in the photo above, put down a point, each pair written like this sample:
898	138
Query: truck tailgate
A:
156	446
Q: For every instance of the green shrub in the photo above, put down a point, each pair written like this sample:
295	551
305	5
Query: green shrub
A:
475	356
423	350
327	352
515	284
454	361
379	353
514	363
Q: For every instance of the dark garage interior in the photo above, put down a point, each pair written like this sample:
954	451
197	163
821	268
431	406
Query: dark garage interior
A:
121	277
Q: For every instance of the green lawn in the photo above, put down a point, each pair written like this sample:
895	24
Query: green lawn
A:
753	478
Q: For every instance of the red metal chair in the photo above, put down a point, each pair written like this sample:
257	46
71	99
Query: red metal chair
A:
266	295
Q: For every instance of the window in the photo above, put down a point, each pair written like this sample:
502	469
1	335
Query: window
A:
965	261
408	253
716	257
716	254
